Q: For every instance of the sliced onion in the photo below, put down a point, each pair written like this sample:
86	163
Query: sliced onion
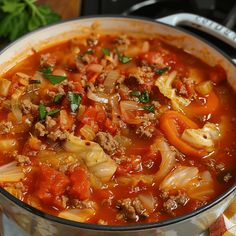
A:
145	47
15	108
87	132
114	103
97	68
7	144
134	179
167	155
123	141
4	87
79	215
15	105
128	110
98	97
148	201
111	79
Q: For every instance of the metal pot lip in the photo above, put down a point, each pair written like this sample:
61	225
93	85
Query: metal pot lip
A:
117	228
131	227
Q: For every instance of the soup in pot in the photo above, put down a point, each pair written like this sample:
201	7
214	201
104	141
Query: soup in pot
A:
116	129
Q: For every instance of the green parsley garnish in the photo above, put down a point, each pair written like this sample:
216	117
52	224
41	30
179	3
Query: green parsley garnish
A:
58	98
46	70
135	94
89	51
150	108
53	112
21	16
122	58
162	70
74	99
106	52
53	79
35	81
42	111
142	96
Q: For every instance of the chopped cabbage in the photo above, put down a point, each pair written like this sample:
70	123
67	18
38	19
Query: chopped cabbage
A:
11	172
164	83
97	161
204	137
198	185
167	157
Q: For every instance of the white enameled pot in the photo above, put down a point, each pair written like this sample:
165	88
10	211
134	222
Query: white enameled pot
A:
32	222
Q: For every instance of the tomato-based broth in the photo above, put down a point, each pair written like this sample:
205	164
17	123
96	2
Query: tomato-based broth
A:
116	129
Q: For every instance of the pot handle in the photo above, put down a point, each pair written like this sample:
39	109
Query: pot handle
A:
202	23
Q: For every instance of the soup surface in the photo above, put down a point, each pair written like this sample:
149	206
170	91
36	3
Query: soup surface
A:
116	129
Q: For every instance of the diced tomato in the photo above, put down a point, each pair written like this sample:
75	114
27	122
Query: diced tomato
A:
110	127
218	74
89	115
129	166
80	187
101	116
51	185
94	117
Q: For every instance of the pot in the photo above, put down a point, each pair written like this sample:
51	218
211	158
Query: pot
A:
32	222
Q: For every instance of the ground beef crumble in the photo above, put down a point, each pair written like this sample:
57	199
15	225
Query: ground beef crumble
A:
131	210
28	106
147	127
107	142
23	160
172	202
49	131
5	127
57	135
40	129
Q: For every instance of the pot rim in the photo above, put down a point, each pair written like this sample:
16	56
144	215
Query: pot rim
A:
130	227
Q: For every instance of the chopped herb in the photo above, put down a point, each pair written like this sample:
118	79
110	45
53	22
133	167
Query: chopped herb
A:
150	108
55	79
89	51
122	58
74	99
162	70
144	97
53	112
106	51
58	98
35	81
135	93
125	59
46	70
42	111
